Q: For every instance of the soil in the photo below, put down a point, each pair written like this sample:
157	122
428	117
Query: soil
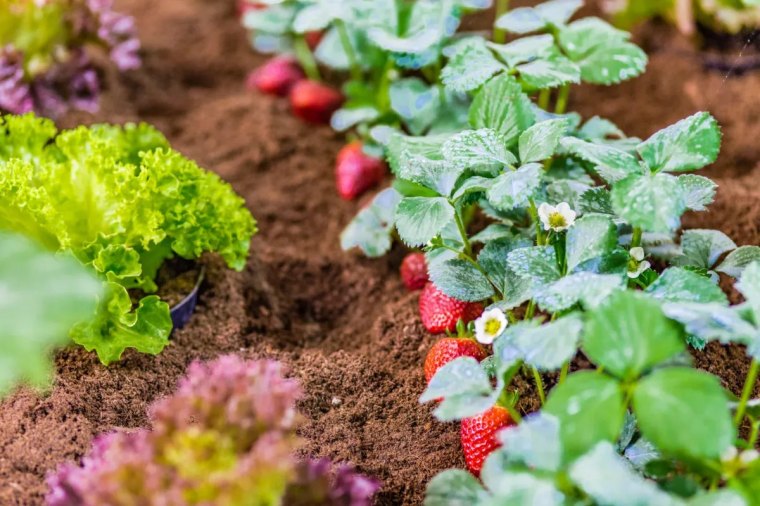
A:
343	323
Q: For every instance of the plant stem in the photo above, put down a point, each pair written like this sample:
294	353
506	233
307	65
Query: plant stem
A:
514	414
749	387
752	441
530	311
564	94
348	47
306	58
500	36
539	385
533	211
636	237
383	97
463	233
543	98
564	371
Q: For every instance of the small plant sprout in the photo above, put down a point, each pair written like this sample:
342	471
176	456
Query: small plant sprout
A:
490	325
558	218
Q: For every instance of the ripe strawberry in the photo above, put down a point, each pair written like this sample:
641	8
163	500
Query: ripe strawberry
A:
314	102
356	171
440	312
414	272
449	348
313	39
276	77
478	435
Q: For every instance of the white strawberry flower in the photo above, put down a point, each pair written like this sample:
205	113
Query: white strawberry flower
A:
490	325
557	218
637	265
749	456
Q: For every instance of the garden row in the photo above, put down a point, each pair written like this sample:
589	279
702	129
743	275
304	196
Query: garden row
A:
543	234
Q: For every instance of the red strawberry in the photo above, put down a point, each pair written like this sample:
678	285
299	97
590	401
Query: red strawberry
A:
314	102
440	313
414	272
244	6
356	171
478	435
449	348
276	77
313	39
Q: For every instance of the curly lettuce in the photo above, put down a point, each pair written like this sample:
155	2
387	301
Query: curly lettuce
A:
122	202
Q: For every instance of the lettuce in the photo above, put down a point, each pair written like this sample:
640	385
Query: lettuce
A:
122	202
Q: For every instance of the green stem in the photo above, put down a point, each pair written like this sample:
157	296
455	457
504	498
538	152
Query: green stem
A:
348	47
530	311
384	95
463	234
543	98
564	94
749	387
514	414
564	371
539	385
636	237
752	441
533	211
306	58
500	36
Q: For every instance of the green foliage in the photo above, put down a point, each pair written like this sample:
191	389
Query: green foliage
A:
121	202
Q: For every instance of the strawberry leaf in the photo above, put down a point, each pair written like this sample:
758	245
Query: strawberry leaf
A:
540	141
453	487
577	403
545	347
371	229
464	387
592	236
703	248
420	219
537	264
680	285
460	279
653	202
596	200
587	288
482	151
549	71
521	21
534	443
603	53
684	412
690	144
749	286
416	103
471	66
502	106
736	261
612	164
619	338
713	322
523	50
698	192
515	188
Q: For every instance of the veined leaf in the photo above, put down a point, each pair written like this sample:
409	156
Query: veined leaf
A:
736	261
481	151
515	188
420	219
587	288
460	279
416	102
535	442
538	264
680	285
612	164
453	487
712	322
546	347
702	248
371	229
698	192
690	144
502	106
540	141
549	71
653	202
470	67
592	236
523	50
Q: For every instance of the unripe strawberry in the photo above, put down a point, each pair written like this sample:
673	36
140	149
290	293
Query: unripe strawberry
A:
356	171
276	77
449	348
314	102
440	313
414	272
478	436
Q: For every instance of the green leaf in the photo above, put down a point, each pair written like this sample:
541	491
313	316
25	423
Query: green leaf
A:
596	200
493	258
453	487
371	229
577	403
680	285
558	12
549	71
592	236
41	296
470	67
521	20
534	442
481	151
736	261
546	347
603	53
690	144
702	248
583	287
515	188
698	192
684	412
415	102
524	49
718	498
653	202
464	387
606	477
420	219
419	159
629	334
461	280
502	106
612	164
537	264
540	141
749	286
710	322
344	119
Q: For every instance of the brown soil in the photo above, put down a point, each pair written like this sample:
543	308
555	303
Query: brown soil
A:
344	324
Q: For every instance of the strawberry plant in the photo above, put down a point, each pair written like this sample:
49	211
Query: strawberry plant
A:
226	436
44	63
41	297
122	202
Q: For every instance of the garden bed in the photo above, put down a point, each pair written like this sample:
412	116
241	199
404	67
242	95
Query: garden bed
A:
342	323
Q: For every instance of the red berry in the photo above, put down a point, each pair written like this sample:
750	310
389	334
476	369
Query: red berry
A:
356	171
313	39
414	272
440	313
478	436
448	349
276	77
245	6
314	102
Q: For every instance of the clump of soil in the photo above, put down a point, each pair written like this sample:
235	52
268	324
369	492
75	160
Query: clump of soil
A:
344	324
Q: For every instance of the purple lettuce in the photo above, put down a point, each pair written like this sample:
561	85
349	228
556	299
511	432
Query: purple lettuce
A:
226	436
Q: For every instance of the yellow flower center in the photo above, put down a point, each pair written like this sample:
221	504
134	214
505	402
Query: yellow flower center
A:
556	220
492	326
